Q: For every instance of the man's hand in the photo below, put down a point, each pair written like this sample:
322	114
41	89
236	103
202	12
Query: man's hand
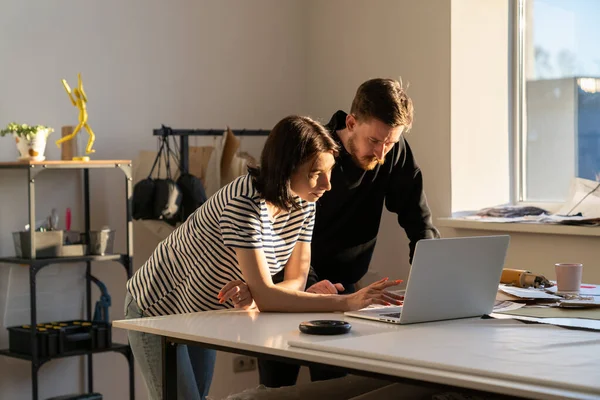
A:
239	294
326	287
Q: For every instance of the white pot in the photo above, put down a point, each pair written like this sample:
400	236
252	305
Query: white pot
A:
32	149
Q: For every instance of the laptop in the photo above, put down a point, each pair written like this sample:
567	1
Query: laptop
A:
450	278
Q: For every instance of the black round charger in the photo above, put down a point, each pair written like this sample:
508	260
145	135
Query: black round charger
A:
325	327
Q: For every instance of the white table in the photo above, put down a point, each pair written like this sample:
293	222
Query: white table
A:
499	356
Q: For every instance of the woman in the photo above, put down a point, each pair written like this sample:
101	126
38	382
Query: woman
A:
259	224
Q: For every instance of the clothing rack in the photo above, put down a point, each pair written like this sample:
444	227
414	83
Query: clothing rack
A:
184	135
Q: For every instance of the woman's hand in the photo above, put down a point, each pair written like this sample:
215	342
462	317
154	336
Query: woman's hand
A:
375	293
239	293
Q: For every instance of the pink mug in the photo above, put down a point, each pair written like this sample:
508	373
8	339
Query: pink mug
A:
568	277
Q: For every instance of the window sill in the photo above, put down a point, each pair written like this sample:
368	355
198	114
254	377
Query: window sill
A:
551	229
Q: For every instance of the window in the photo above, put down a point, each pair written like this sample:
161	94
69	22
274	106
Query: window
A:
557	102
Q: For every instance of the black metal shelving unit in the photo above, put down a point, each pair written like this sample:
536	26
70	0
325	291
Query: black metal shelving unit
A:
36	264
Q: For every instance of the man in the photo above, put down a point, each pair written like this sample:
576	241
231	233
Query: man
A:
375	167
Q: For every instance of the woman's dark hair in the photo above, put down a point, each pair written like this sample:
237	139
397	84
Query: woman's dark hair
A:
292	142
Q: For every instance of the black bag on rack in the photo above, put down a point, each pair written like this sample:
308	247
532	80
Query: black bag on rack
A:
143	193
143	199
192	188
167	200
193	192
167	195
158	198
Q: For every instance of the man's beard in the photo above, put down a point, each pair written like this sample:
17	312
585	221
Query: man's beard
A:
366	163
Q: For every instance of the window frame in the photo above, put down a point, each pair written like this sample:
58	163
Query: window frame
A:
518	110
517	99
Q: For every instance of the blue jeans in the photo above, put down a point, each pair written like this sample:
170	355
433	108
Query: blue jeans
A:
195	365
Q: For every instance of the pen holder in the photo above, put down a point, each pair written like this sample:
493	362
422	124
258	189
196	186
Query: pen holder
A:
101	242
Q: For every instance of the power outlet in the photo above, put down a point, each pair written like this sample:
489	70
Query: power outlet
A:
243	364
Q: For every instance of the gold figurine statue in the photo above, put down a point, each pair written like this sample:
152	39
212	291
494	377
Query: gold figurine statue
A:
79	101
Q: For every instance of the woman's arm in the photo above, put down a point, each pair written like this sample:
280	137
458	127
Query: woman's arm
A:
271	297
296	269
295	275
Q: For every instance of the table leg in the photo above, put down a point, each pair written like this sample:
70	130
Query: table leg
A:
169	370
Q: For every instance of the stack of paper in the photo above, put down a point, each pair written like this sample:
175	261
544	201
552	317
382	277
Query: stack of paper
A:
550	308
515	293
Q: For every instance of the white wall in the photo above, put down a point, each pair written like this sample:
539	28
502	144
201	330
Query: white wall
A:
352	41
187	64
479	104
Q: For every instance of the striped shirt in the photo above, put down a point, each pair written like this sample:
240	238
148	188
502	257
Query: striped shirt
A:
188	269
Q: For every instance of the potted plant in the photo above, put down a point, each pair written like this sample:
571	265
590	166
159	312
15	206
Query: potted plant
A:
30	139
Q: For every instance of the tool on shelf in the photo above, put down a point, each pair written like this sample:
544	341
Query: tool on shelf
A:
53	220
102	305
68	219
50	223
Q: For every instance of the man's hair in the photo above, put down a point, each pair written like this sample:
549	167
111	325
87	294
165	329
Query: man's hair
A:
385	100
292	142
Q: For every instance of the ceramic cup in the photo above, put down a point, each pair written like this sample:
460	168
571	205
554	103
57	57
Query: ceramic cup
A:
568	277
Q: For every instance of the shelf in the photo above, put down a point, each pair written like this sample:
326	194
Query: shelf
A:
521	227
90	395
63	164
62	260
117	347
31	169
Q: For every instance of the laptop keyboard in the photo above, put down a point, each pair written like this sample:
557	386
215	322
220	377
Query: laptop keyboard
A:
392	315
